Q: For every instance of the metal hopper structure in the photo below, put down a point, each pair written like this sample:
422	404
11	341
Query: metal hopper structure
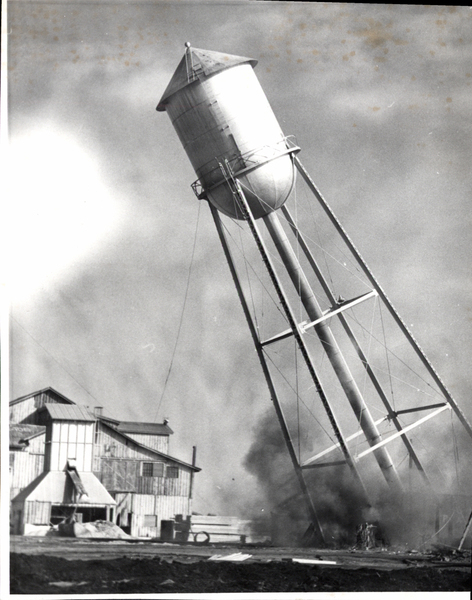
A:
246	170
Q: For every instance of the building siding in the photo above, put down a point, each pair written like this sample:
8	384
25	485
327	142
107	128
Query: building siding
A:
124	475
24	468
156	442
118	475
25	411
37	513
109	444
36	444
164	508
164	486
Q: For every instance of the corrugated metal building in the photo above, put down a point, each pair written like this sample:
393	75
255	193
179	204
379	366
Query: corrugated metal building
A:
65	459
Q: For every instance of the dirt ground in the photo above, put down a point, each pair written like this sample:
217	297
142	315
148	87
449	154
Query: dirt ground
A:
69	566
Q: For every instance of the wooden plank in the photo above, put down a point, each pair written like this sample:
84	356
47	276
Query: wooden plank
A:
210	519
313	561
235	530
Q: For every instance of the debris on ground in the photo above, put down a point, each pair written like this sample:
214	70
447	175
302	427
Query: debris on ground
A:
94	529
365	536
313	561
441	552
238	557
67	584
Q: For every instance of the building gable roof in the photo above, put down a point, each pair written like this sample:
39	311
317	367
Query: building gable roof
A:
144	428
109	420
63	412
55	487
129	441
49	391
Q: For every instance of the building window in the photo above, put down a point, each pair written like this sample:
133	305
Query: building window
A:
150	520
147	469
152	469
172	472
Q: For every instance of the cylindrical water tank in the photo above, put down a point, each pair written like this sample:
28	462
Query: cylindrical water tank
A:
221	113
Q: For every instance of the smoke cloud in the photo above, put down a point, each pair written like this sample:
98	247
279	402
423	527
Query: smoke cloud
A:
410	518
339	502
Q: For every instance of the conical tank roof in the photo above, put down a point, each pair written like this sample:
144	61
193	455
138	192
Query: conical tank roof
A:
196	64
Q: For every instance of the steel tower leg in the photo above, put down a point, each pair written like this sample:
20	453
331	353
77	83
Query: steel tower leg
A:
311	510
246	211
331	348
391	413
416	347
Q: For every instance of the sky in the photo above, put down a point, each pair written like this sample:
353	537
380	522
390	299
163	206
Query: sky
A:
118	290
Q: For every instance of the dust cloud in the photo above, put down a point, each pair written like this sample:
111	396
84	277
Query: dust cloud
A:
412	518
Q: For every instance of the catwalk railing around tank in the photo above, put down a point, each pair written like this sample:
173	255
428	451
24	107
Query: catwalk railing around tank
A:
253	159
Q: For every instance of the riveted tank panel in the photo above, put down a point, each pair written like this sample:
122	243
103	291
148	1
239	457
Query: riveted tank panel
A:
227	117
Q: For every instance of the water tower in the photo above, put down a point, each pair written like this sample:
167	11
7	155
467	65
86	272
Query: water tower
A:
246	170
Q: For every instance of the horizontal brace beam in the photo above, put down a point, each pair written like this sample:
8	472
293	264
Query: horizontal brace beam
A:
280	336
345	306
402	431
419	408
311	460
304	325
283	335
325	464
